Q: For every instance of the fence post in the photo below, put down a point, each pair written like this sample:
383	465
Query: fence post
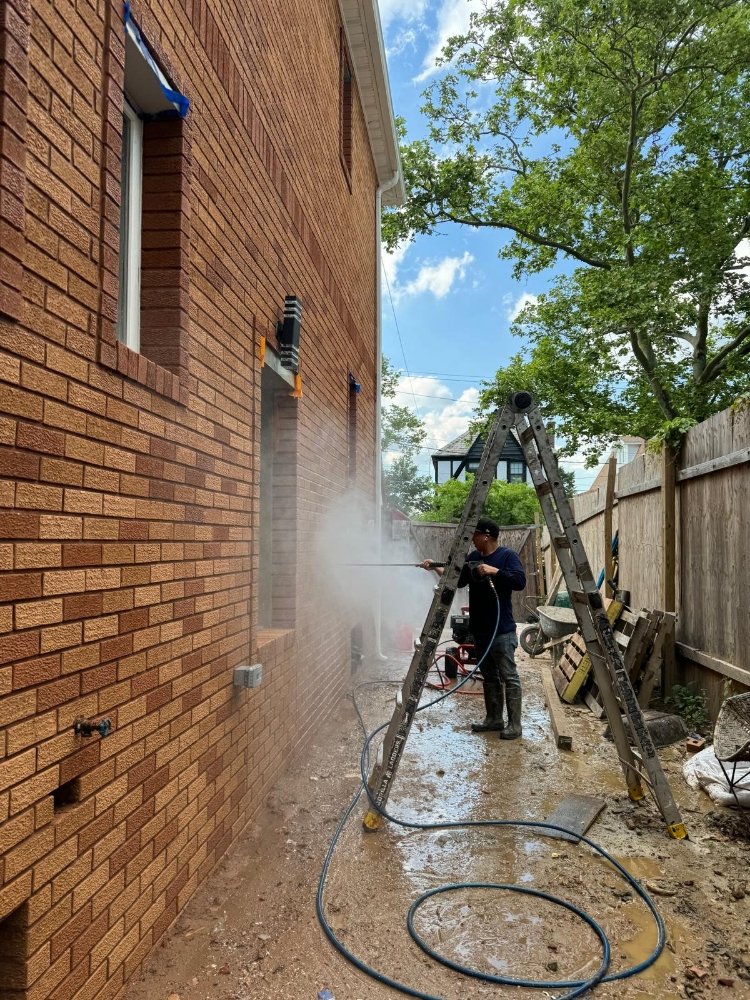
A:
668	548
541	588
609	561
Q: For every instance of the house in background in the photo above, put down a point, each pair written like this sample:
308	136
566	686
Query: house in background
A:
625	449
189	339
463	454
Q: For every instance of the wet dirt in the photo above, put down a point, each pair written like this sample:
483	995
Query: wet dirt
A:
250	932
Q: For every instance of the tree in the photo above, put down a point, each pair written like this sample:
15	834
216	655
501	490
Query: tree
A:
506	503
405	489
611	139
401	432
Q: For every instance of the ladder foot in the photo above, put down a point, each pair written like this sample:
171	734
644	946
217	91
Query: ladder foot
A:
678	831
372	820
636	793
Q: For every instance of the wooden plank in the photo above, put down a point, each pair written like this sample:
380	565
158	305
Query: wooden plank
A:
555	585
576	813
714	465
638	645
561	681
738	674
563	736
647	487
665	626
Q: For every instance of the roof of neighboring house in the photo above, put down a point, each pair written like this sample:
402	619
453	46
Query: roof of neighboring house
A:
364	38
462	445
600	481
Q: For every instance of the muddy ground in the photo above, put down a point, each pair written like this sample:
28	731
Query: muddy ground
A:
250	933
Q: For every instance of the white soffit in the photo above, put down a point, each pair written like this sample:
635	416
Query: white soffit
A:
365	40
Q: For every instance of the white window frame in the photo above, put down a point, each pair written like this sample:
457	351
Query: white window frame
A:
129	303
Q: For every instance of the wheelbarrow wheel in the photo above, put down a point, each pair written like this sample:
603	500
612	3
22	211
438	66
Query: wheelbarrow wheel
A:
532	639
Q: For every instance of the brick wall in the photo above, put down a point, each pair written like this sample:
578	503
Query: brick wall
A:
129	498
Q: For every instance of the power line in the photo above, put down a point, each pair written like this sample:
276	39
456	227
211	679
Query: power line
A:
424	395
398	331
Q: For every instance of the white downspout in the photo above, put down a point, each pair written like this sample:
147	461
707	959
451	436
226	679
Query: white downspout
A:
378	652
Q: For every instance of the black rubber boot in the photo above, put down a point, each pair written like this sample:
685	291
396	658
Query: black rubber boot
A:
494	701
513	730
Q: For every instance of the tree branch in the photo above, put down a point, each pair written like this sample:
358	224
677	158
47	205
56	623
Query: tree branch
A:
645	359
537	238
701	338
719	361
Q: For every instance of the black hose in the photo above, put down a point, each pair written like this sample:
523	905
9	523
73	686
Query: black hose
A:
575	988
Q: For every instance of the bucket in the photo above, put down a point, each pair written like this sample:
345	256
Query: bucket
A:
404	639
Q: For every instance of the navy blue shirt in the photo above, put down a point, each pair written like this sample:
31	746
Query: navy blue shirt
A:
482	603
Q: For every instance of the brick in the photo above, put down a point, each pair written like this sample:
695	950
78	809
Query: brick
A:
64	582
59	527
18	647
61	636
14	893
38	497
37	555
20	586
36	671
19	465
54	694
36	437
17	526
29	852
82	554
37	613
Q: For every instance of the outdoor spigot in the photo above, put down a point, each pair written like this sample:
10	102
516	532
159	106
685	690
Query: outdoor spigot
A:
87	727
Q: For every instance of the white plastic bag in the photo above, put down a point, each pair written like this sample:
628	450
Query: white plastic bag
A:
704	771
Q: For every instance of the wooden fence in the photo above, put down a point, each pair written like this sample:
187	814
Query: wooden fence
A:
711	567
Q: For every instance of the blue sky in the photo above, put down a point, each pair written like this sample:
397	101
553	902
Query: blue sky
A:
448	300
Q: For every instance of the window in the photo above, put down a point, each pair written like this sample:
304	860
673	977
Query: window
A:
516	472
131	193
148	340
345	105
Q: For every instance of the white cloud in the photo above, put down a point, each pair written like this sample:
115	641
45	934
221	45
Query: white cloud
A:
516	308
399	42
452	19
438	278
400	10
443	414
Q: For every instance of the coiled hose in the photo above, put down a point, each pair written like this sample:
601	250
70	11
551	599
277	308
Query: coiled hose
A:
575	987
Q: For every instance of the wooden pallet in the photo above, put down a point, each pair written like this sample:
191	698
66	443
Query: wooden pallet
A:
575	657
639	637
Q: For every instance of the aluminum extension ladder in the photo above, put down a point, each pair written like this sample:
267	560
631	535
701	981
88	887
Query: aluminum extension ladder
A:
639	761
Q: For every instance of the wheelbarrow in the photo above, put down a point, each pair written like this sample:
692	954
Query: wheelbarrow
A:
553	625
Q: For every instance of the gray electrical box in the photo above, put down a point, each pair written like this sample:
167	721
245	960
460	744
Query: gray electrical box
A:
248	677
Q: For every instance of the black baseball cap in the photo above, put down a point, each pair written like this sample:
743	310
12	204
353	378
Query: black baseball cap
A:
486	526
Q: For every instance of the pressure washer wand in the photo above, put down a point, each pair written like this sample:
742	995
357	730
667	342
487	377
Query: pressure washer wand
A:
415	565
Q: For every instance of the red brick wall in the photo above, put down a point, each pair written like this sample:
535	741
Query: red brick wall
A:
129	484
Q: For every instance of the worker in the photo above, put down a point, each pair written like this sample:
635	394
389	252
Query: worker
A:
493	566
